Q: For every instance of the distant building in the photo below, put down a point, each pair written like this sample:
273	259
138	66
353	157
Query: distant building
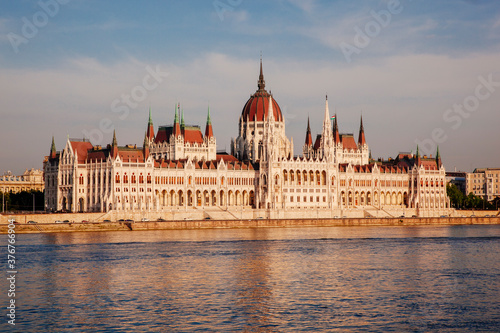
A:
457	178
179	168
28	181
484	182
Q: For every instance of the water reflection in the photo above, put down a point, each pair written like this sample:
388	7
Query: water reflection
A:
269	280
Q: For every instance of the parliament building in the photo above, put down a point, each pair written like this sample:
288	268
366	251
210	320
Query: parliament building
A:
178	173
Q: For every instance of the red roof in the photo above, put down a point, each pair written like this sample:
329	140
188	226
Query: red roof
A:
257	106
163	134
193	135
348	141
81	148
128	155
226	158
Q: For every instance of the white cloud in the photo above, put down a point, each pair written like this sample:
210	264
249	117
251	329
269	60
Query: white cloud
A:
402	98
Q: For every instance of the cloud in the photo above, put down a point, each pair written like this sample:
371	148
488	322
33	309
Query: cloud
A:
402	97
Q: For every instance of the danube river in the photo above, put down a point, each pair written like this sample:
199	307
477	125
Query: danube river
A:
331	279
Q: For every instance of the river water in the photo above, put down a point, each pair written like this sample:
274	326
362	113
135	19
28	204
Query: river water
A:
330	279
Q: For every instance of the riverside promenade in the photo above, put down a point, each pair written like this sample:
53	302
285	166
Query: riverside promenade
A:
23	227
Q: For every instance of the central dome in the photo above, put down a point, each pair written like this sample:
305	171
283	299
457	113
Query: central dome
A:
257	106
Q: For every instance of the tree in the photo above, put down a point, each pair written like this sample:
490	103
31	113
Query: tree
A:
456	196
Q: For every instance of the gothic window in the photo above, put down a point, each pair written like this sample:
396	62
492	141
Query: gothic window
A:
117	178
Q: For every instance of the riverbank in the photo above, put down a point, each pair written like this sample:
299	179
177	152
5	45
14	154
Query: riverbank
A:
250	223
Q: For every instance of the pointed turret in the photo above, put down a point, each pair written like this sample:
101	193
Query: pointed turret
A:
53	149
418	157
209	133
114	146
150	133
361	138
177	127
182	120
261	84
308	134
438	158
336	134
145	147
270	109
327	131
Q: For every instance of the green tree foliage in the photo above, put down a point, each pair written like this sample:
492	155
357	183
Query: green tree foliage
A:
456	196
23	201
460	201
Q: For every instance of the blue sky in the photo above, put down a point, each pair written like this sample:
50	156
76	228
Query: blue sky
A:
416	65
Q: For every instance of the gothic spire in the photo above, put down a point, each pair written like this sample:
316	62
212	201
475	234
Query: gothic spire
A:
150	132
114	145
308	134
177	127
261	83
438	158
361	138
209	133
336	135
182	119
53	149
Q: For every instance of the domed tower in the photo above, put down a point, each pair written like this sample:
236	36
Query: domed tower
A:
260	108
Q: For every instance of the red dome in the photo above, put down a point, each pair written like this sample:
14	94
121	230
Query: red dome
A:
257	106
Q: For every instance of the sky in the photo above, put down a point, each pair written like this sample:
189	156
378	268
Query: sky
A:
423	73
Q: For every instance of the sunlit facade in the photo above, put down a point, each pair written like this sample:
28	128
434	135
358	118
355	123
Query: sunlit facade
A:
179	168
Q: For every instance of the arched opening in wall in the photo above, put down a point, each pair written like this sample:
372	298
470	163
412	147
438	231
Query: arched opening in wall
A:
206	198
110	207
276	179
356	198
81	205
350	198
292	177
318	178
230	198
285	177
64	204
299	178
163	198
405	199
304	176
387	198
394	198
181	198
198	198
189	197
245	198
342	195
311	177
362	199
222	202
382	199
213	195
400	199
173	201
264	180
323	178
238	198
368	198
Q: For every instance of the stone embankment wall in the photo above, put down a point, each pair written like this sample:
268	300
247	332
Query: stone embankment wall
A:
252	223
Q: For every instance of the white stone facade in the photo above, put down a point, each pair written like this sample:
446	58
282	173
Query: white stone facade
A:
178	170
